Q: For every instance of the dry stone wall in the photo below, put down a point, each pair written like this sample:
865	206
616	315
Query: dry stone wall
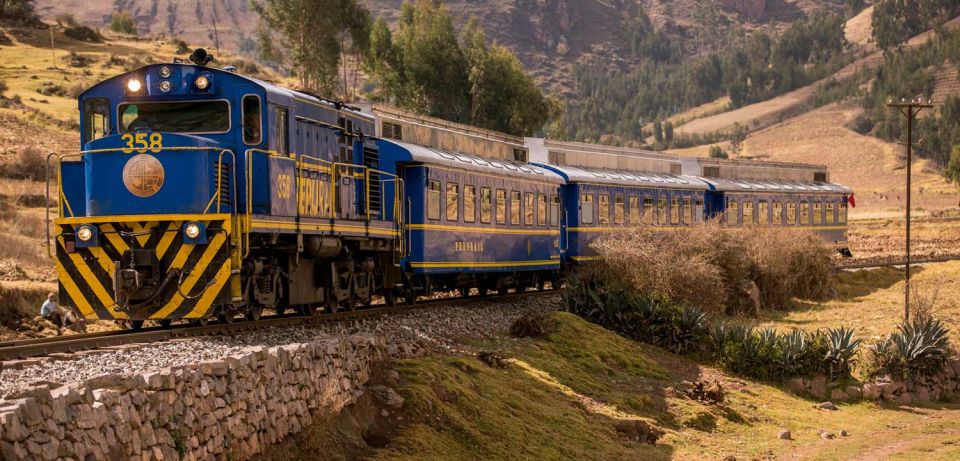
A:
228	409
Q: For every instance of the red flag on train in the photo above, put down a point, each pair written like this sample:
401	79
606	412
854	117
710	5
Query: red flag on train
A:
852	201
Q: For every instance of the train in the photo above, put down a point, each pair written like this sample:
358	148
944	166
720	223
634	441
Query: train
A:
201	194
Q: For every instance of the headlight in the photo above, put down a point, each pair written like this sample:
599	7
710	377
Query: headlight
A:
134	85
85	234
165	86
165	72
202	82
192	230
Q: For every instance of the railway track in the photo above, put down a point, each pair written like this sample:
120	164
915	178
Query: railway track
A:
62	346
877	264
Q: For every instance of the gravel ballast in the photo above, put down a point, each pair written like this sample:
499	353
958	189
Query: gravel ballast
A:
429	329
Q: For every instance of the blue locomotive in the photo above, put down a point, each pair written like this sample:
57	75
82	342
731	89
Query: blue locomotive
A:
200	193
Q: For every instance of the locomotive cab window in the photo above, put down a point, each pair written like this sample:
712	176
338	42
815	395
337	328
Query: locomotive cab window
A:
252	121
604	209
280	142
586	209
433	200
501	206
469	203
453	202
486	204
554	211
175	117
96	119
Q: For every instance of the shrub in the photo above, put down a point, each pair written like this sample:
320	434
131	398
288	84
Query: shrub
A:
3	86
717	152
123	23
83	33
182	46
769	355
706	265
841	350
531	325
30	164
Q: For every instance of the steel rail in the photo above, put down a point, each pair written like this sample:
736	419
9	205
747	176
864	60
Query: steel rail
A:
896	263
40	347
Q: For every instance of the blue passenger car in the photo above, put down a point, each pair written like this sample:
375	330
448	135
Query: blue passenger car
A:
600	201
475	222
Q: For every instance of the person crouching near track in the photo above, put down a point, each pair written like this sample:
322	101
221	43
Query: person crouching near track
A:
59	316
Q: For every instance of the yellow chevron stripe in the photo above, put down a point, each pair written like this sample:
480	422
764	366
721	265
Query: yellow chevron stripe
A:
105	263
98	290
205	303
167	239
73	290
191	280
111	233
141	229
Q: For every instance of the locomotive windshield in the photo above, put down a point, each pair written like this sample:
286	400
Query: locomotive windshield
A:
176	117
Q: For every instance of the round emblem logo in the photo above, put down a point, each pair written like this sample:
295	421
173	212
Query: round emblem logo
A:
143	175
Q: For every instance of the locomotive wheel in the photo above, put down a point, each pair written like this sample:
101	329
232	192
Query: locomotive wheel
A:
226	318
464	292
390	297
350	303
411	297
135	325
308	310
165	323
200	322
254	312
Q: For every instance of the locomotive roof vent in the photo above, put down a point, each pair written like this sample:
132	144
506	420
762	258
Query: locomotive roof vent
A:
231	69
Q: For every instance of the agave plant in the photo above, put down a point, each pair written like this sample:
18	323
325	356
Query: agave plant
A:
686	329
718	333
793	350
841	351
922	345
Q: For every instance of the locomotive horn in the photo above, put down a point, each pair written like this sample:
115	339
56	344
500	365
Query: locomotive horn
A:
200	57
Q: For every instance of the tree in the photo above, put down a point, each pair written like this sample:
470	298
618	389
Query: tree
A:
895	21
17	12
668	132
123	23
738	136
424	67
310	37
953	167
717	152
658	131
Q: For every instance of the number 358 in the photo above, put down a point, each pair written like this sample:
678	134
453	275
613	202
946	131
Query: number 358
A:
141	143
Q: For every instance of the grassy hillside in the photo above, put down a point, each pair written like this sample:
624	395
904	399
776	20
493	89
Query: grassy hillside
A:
578	392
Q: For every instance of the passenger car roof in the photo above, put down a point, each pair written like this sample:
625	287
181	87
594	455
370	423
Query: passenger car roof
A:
414	153
773	185
627	178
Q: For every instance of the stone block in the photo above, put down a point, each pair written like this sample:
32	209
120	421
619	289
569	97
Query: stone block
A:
818	386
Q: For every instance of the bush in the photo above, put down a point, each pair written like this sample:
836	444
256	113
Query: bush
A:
30	164
706	265
772	356
717	152
531	325
3	86
182	46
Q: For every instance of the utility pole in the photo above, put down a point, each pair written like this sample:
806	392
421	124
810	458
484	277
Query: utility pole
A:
910	110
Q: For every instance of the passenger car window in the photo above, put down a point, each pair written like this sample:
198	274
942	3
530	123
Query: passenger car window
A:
634	205
252	121
555	211
541	210
842	213
604	201
453	202
486	205
433	200
648	209
586	208
96	119
469	203
748	218
698	211
662	211
804	213
674	211
688	210
528	209
733	212
501	206
763	213
777	214
618	211
791	214
829	213
515	208
817	213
